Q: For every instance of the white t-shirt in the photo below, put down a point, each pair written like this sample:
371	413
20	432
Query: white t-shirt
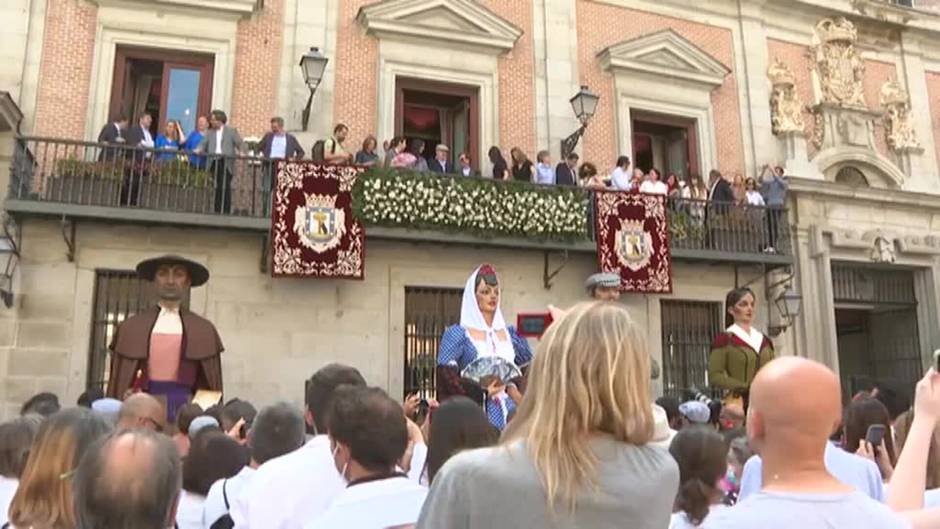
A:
214	507
620	179
8	488
680	520
373	505
189	512
754	198
289	491
790	510
654	188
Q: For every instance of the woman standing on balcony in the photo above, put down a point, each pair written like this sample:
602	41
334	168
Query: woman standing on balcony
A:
170	142
753	196
500	168
482	357
522	168
739	352
737	187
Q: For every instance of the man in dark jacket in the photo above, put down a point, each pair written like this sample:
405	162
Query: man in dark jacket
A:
276	145
112	133
167	350
566	173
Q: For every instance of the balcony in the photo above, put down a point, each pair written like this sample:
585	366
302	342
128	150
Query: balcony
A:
84	180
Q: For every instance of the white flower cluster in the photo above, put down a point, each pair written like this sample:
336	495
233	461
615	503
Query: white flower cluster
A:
477	206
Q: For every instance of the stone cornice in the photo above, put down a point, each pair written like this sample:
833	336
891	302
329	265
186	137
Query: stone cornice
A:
459	22
805	187
236	7
666	54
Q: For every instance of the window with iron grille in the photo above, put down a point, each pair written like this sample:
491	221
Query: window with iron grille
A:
688	328
119	294
428	311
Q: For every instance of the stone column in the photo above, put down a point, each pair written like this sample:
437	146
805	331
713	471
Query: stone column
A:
556	68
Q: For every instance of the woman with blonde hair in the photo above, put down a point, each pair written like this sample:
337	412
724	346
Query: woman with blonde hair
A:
44	497
576	453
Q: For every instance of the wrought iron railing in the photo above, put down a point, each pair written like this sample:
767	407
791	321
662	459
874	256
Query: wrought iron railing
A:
95	174
112	175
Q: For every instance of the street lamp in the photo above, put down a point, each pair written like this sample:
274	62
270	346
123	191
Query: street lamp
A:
312	64
584	104
788	306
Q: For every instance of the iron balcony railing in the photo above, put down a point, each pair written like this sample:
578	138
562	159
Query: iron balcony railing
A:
112	175
57	171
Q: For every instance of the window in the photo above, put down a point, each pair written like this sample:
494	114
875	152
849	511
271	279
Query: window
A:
851	176
119	294
667	143
439	113
688	328
428	311
167	84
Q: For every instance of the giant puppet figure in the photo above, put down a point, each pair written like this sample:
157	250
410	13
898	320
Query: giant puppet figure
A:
167	350
482	357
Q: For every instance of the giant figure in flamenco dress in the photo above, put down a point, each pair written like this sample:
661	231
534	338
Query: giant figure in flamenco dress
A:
482	357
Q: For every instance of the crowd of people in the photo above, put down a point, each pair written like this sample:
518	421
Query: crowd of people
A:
586	447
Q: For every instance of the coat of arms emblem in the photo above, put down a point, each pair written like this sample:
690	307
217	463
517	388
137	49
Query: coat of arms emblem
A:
633	245
319	224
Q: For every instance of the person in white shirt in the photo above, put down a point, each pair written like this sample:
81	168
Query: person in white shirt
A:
368	436
16	437
752	194
277	430
289	491
654	184
702	456
213	456
620	177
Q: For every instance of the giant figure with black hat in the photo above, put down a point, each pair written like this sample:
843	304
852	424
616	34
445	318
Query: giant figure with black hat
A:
167	350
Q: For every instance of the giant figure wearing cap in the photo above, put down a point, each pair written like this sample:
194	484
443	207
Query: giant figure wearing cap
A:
167	350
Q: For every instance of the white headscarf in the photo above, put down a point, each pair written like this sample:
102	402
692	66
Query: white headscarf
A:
472	318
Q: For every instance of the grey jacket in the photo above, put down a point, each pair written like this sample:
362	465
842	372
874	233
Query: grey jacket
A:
232	143
774	189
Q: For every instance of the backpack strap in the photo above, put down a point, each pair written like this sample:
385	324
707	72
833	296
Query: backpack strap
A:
225	495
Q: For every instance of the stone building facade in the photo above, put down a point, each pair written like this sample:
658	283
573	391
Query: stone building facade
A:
683	85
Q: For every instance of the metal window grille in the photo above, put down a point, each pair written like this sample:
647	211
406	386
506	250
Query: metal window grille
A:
428	311
688	329
119	294
861	284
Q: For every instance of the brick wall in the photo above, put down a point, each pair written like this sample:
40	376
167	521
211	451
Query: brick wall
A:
876	74
798	58
596	32
516	81
355	95
65	70
933	94
257	69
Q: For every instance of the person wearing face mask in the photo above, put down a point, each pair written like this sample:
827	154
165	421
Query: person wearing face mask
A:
368	436
483	334
739	352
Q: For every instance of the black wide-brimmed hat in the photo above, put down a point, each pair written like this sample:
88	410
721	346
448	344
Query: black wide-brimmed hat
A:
198	274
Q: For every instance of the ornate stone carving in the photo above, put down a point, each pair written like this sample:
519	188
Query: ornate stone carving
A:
882	250
899	127
786	108
839	65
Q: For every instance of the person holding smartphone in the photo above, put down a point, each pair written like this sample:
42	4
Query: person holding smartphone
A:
867	432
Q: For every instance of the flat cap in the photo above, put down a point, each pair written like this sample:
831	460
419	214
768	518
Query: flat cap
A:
603	279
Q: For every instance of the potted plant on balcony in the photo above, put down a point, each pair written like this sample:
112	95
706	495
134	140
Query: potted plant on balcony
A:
175	185
94	183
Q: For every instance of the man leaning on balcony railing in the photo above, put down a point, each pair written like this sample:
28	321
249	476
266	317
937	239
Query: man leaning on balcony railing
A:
112	133
222	143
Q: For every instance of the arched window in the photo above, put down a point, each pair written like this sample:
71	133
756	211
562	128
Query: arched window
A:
851	176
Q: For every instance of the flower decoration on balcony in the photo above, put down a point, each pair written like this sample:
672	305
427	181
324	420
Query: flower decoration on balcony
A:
477	206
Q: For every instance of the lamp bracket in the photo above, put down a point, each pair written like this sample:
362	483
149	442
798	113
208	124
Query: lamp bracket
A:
68	235
548	276
568	144
11	230
305	116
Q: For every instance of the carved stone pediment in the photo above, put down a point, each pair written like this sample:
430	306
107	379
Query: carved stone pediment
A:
667	54
464	23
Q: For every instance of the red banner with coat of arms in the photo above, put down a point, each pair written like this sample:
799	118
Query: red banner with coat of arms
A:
633	240
313	232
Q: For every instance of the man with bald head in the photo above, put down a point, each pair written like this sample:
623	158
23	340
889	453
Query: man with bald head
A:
141	410
130	480
795	404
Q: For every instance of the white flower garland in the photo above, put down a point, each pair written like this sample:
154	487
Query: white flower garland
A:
475	205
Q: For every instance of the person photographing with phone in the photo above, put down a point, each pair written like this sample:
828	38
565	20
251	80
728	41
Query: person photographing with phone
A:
867	432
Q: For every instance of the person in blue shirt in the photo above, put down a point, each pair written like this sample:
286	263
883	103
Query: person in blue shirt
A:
168	144
482	332
202	125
